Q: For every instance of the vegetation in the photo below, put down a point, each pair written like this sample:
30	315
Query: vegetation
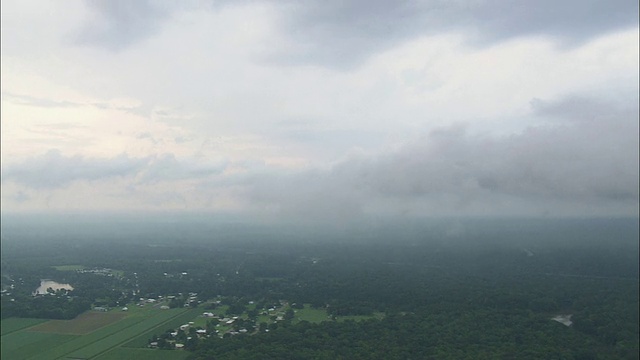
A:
487	296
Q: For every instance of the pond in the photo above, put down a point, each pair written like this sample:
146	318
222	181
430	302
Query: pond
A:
45	284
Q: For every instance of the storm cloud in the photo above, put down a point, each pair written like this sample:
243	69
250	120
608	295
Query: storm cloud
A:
572	160
321	110
55	170
343	34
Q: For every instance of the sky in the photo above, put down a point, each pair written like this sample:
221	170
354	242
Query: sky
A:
321	110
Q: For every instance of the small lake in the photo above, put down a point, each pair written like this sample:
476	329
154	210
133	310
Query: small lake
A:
45	284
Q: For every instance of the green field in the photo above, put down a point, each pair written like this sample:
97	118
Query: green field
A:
20	341
68	267
311	315
25	344
14	324
376	315
121	353
116	334
142	340
83	324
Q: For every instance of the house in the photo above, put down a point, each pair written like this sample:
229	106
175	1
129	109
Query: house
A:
184	327
179	346
125	308
201	331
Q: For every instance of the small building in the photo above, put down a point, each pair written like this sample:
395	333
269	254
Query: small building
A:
125	309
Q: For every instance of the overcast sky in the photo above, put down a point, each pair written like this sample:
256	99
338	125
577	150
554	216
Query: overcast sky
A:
321	110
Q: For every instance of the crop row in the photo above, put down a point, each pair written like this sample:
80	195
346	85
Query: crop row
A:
86	340
142	339
125	334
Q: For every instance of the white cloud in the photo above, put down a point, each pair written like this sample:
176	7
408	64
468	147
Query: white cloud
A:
222	104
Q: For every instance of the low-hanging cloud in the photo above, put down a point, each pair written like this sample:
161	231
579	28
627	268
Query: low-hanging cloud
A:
55	170
573	164
167	167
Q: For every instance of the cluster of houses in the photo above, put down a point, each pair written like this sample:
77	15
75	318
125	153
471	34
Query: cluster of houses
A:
6	292
192	298
200	333
96	271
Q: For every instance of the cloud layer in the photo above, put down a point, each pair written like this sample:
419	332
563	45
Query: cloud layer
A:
321	110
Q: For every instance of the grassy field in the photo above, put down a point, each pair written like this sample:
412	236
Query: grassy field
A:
125	335
142	340
83	324
116	334
376	315
68	267
14	324
311	315
103	334
24	344
121	353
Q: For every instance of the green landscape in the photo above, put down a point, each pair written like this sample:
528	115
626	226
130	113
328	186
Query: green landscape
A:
553	291
117	334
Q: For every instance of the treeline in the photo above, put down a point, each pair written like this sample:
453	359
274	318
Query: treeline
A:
421	335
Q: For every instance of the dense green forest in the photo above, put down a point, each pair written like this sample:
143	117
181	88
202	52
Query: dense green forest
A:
489	293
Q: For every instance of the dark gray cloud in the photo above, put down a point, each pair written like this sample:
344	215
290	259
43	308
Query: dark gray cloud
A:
166	168
342	34
53	169
118	24
586	162
339	33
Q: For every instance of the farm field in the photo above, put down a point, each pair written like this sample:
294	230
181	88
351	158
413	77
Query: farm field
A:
68	267
141	340
311	315
40	339
121	353
83	324
14	324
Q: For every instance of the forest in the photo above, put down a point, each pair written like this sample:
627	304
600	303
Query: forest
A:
487	294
